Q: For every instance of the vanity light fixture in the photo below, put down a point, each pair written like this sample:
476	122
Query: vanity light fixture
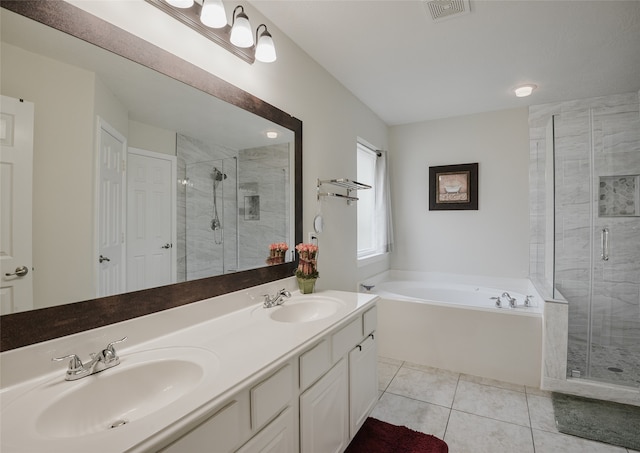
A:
265	49
213	14
241	34
525	90
208	17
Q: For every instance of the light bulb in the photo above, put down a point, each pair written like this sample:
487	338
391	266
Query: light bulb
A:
524	90
181	3
213	14
265	49
241	34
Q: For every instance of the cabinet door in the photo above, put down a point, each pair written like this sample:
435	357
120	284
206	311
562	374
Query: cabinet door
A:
277	437
363	382
219	434
324	423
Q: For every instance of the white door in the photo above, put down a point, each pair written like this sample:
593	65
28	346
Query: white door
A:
151	219
16	178
110	256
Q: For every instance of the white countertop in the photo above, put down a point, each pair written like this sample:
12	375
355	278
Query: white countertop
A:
243	343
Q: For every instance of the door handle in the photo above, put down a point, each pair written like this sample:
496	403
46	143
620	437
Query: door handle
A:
167	246
103	258
604	238
20	271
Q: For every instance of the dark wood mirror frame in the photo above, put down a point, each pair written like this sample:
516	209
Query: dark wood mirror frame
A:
34	326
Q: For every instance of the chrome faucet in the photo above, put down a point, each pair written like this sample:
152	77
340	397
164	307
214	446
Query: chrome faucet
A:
277	299
512	300
107	358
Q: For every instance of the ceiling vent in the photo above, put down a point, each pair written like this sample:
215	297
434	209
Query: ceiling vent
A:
444	9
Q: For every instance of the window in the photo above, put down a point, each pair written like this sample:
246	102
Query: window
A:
374	209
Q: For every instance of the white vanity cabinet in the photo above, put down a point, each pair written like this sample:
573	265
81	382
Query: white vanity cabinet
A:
248	414
335	407
315	402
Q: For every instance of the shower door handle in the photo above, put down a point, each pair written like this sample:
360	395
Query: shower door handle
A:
604	240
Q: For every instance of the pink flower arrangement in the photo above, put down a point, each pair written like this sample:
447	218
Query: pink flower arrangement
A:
307	254
277	251
279	247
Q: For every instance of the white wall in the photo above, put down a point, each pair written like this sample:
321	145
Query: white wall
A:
62	172
332	117
492	241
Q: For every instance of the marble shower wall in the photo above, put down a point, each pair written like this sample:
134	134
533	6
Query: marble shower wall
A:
253	206
263	173
203	252
594	138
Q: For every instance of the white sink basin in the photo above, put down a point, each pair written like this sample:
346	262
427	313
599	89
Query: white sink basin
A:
114	400
306	309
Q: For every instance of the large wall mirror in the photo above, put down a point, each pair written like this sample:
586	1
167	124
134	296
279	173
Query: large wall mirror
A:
212	176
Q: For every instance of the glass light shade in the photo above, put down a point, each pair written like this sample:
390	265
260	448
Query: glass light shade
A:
213	14
524	90
241	33
181	3
265	49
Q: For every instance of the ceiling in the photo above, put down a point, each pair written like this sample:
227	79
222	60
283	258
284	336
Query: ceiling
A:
408	68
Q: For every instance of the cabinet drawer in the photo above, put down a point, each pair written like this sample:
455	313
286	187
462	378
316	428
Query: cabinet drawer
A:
278	436
314	363
271	396
221	430
346	338
370	319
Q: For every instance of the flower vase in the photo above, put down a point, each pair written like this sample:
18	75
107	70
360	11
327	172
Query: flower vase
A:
306	285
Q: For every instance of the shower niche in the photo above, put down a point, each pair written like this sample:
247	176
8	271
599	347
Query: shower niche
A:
231	205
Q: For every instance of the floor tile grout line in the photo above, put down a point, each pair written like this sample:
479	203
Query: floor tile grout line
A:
417	400
446	426
533	441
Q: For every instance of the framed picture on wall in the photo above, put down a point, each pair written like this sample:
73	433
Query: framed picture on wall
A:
453	187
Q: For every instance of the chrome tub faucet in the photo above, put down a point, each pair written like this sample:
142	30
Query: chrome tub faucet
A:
107	358
512	300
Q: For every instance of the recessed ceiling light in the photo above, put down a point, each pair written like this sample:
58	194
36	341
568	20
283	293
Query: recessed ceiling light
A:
524	90
272	134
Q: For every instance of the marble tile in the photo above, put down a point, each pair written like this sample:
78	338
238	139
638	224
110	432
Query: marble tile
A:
468	433
492	402
417	415
492	383
548	442
386	372
541	413
428	384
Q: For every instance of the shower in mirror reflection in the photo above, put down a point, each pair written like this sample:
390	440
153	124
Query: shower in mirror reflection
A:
216	225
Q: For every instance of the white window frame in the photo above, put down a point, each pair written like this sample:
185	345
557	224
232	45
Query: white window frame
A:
369	253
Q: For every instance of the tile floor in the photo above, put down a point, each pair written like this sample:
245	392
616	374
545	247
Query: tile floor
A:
473	414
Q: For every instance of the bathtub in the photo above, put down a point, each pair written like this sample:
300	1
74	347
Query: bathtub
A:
450	321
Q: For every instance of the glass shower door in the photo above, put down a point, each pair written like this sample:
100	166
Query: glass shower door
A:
614	347
597	246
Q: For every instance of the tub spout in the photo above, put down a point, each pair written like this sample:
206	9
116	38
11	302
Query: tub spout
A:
512	300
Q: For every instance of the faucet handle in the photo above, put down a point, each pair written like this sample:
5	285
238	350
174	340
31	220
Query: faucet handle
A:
75	364
111	351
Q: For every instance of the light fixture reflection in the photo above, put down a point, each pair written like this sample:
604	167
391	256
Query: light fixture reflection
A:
213	14
265	49
241	34
181	3
272	134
